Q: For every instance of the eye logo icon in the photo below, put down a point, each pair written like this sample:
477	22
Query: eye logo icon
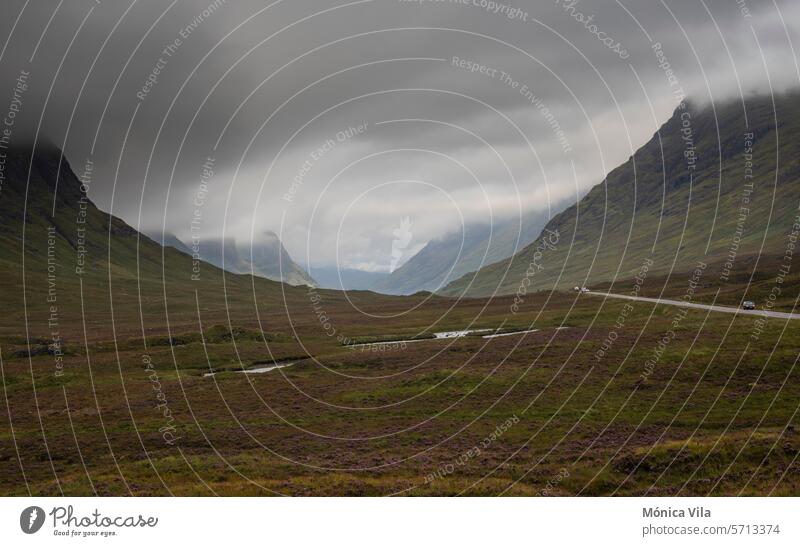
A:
31	519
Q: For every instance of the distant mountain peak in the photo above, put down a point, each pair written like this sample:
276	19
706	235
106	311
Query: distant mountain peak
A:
452	255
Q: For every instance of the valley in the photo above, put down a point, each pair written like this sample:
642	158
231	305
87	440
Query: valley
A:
129	368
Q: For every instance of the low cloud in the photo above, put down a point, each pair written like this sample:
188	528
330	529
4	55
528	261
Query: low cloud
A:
469	114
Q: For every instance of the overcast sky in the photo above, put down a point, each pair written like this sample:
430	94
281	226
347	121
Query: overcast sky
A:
329	122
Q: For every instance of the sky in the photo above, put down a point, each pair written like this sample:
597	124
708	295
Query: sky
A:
359	129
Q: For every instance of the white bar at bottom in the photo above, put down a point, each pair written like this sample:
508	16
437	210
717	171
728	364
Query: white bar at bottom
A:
407	521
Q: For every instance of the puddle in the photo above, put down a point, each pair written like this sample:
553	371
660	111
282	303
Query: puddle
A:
438	335
459	333
264	369
257	369
511	333
395	342
449	335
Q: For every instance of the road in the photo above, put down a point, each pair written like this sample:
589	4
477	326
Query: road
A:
718	308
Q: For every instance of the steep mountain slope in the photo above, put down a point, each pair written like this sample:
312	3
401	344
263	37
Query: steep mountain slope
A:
170	240
266	257
454	255
66	266
712	184
270	258
46	215
221	253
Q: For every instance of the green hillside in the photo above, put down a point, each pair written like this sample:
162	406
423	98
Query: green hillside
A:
687	195
62	257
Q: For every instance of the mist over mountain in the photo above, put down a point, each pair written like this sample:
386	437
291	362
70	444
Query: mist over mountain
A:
70	265
265	257
57	244
450	257
149	167
170	240
716	183
343	278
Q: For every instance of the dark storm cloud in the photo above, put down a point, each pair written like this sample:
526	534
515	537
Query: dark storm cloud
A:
330	122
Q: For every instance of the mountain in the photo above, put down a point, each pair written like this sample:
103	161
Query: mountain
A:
170	240
68	269
717	183
456	254
221	253
269	257
46	215
63	261
337	278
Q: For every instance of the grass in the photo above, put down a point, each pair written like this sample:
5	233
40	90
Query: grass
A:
708	420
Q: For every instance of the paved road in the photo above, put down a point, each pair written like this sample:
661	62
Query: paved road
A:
718	308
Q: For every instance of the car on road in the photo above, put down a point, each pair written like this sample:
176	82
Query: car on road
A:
584	290
749	305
